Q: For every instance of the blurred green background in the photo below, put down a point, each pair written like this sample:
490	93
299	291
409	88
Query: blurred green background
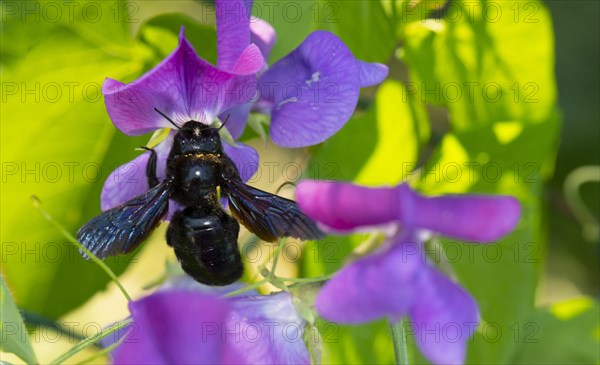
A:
512	85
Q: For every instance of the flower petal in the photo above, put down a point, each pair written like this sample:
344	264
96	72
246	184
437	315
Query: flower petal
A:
250	62
371	73
263	35
313	91
132	110
443	318
177	327
344	206
470	217
244	157
183	86
379	285
270	330
395	281
238	116
233	31
129	180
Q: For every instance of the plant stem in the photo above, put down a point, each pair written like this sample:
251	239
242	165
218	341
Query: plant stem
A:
90	341
277	254
247	288
307	280
99	354
37	204
266	279
399	339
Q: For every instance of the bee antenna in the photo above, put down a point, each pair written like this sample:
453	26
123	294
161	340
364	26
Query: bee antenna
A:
167	118
284	184
224	122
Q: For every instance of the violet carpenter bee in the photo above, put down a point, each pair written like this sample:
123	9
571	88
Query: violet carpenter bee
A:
203	235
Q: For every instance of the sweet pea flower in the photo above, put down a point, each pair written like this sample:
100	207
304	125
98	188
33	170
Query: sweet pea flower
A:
191	326
309	94
312	92
396	280
184	87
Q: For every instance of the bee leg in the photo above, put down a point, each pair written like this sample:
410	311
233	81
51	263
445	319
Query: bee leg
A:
151	168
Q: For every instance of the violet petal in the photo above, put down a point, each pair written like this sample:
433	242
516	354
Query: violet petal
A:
233	30
129	180
132	110
176	327
183	86
479	218
250	62
244	157
238	116
269	330
443	318
371	73
377	286
344	206
313	91
263	35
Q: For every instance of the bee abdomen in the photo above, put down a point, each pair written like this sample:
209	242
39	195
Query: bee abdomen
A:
206	245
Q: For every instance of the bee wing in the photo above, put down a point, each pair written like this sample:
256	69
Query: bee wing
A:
267	215
121	229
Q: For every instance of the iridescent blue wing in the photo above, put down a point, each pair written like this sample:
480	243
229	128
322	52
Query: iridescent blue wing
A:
121	229
267	215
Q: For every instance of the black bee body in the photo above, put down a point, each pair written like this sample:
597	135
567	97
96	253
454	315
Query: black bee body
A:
202	235
205	244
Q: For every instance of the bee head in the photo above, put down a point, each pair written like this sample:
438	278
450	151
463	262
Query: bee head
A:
195	137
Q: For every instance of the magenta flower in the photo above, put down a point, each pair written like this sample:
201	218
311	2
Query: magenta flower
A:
184	87
310	94
190	326
396	280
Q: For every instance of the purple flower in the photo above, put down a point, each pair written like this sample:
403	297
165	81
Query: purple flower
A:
185	326
184	87
310	94
396	280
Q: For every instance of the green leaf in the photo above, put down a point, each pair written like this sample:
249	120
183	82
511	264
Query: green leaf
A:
368	343
402	125
292	21
162	31
364	26
485	70
567	332
59	144
385	141
14	334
